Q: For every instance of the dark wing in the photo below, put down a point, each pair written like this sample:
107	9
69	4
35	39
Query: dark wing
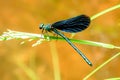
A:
73	25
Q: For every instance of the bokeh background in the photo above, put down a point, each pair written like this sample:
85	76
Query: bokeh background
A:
26	15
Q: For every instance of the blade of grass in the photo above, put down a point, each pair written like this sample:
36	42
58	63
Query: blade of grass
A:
29	72
92	43
102	65
55	61
99	44
113	79
9	35
105	11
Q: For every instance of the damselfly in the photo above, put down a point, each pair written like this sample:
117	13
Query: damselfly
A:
72	25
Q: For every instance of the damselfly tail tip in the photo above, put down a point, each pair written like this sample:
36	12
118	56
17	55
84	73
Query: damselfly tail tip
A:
90	64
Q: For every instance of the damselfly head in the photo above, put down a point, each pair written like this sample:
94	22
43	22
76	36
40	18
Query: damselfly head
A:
41	26
45	27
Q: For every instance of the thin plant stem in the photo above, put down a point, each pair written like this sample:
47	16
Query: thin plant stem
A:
102	65
105	11
10	34
29	72
55	61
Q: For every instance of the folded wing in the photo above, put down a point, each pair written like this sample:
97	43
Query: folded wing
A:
73	25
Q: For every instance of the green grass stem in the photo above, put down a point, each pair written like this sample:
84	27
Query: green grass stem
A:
102	65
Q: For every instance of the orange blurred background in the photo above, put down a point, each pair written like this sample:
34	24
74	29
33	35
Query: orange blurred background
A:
26	15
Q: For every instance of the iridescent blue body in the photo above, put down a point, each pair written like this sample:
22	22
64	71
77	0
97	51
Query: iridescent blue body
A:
72	25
